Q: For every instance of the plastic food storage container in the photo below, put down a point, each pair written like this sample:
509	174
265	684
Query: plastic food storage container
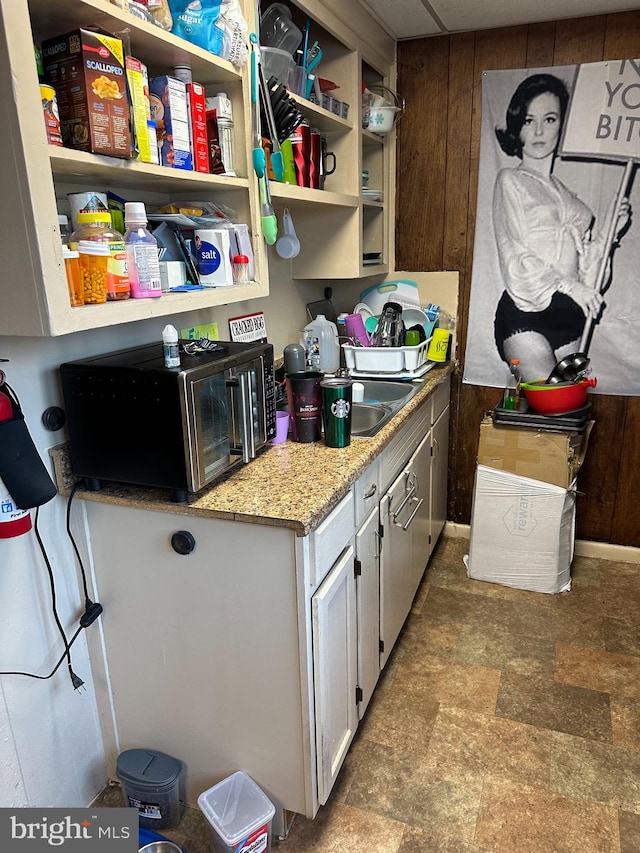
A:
152	783
239	815
277	63
278	30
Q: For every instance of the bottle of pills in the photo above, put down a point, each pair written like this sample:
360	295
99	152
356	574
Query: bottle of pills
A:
95	227
74	276
94	259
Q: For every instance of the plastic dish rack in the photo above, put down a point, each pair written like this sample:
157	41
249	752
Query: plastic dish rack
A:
405	360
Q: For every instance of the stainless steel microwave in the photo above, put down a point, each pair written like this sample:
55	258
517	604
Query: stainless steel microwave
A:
132	420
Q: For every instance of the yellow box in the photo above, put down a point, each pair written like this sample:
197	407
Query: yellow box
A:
138	82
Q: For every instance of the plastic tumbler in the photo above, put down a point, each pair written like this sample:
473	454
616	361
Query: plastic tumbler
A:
354	327
439	345
305	405
282	427
336	411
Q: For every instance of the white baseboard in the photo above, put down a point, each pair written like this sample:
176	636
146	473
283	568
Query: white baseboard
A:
583	547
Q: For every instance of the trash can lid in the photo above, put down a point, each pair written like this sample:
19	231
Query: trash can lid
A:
147	767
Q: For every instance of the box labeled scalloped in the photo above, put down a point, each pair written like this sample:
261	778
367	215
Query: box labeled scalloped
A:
87	70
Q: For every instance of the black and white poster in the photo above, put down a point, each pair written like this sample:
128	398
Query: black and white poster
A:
556	265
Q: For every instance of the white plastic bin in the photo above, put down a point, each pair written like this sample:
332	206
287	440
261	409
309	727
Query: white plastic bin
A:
239	815
386	359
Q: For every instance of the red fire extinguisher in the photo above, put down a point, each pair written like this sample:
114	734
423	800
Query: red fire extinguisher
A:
13	521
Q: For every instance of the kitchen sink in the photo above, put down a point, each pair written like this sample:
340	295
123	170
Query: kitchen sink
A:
382	400
385	391
367	419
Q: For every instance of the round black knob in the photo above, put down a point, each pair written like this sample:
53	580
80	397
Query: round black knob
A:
53	418
183	542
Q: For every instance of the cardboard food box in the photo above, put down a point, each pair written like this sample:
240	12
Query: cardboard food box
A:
168	99
198	127
138	81
522	532
553	457
87	70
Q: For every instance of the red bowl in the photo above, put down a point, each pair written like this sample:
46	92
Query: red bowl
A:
557	399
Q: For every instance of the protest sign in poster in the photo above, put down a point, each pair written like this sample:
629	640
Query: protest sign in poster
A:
555	256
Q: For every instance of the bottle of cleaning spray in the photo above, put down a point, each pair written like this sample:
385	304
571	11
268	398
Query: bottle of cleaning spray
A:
170	346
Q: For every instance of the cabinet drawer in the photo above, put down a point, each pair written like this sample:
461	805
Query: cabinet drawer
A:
366	493
400	448
440	399
330	538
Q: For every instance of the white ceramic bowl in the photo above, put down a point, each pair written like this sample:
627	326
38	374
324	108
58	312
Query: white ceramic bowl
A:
414	317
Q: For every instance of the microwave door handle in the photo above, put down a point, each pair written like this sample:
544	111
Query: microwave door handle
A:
246	417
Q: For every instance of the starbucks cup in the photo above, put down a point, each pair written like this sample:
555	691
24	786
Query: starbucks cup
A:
336	411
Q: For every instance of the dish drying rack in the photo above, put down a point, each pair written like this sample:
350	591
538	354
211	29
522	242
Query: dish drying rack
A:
409	362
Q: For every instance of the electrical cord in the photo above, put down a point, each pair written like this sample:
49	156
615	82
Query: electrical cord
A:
91	612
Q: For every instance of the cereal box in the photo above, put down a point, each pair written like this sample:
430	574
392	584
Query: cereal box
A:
87	70
168	99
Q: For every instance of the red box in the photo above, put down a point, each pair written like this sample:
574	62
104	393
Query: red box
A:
198	126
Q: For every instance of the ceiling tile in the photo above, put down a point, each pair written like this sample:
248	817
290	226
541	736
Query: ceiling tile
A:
472	15
404	18
407	19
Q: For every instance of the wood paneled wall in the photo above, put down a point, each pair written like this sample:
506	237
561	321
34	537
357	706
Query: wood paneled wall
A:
438	152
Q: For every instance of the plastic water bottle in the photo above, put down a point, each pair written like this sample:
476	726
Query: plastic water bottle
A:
141	246
511	398
320	341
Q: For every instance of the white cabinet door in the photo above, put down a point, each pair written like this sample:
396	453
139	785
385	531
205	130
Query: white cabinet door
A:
396	592
333	610
419	519
368	606
439	463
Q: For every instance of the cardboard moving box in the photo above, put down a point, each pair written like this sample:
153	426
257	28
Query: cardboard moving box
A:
522	532
552	457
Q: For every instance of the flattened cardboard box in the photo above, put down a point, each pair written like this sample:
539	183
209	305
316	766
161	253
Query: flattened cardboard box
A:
522	532
552	457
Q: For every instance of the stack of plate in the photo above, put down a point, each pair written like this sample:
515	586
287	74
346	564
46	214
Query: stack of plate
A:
371	195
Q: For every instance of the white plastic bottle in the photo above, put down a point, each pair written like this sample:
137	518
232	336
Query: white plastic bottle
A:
320	341
143	267
170	346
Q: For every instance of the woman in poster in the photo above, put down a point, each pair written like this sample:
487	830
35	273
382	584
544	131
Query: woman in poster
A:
549	255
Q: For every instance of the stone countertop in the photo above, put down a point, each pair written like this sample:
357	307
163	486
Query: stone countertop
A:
288	485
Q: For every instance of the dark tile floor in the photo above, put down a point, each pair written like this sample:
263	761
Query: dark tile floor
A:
506	721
